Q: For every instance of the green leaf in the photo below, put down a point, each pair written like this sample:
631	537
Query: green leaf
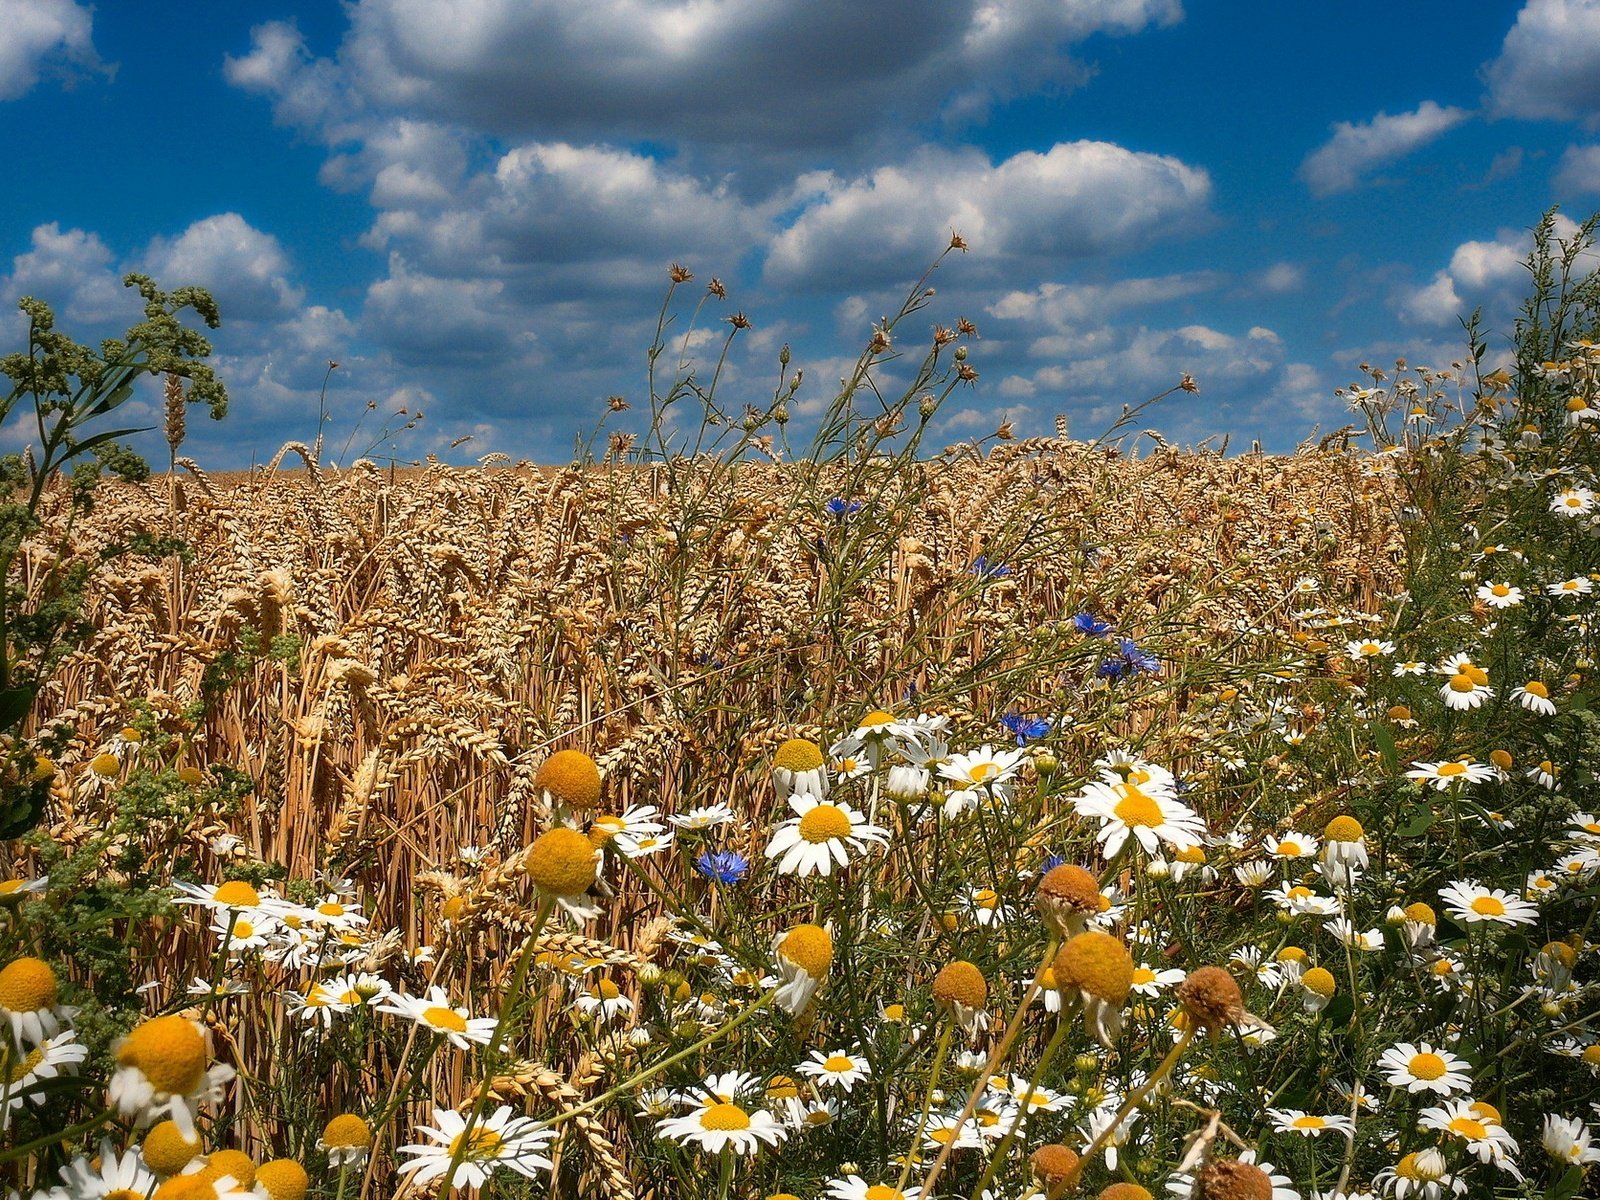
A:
15	704
1386	746
1339	1011
1421	821
1567	1186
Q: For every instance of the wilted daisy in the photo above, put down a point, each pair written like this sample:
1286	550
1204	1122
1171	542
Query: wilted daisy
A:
20	1071
821	836
1462	692
1420	1175
1230	1177
837	1068
797	766
724	1125
804	954
346	1140
434	1012
1475	904
498	1140
878	732
1344	850
960	987
1150	817
1546	774
603	1000
1294	1120
164	1068
1317	987
1444	775
563	864
1535	697
1422	1068
1097	970
1568	1141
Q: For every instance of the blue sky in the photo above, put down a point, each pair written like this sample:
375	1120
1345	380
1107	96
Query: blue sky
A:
471	204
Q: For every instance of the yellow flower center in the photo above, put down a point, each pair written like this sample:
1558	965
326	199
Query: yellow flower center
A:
1319	980
283	1179
1141	975
1427	1067
877	719
1450	769
1344	829
1193	855
1488	906
473	1143
561	862
824	823
346	1131
170	1051
236	893
985	898
961	982
1300	893
1098	964
572	778
1420	913
166	1151
797	755
782	1087
27	985
1534	688
724	1116
1461	683
839	1062
1289	849
447	1019
808	947
123	1194
882	1191
1136	809
1309	1122
1472	1130
1500	590
26	1065
1591	1055
328	909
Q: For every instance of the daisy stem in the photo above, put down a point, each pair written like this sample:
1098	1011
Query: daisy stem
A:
997	1057
939	1052
508	1003
999	1154
1136	1096
344	1171
652	1071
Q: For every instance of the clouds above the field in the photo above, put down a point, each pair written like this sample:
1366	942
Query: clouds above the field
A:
1480	274
1549	65
1355	150
768	74
42	37
472	208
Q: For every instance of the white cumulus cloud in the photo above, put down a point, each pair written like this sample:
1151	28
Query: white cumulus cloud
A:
1075	200
1549	65
244	268
39	36
1355	149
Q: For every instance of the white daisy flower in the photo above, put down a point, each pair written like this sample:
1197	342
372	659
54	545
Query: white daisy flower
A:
1499	595
164	1068
1444	775
698	820
1294	1120
1535	697
1151	817
821	836
1369	648
1475	904
109	1177
498	1140
1422	1068
1567	1140
1578	585
853	1187
1478	1125
724	1126
435	1012
1576	501
839	1068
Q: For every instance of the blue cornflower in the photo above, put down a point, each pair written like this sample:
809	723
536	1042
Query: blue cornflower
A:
982	567
1026	728
1089	624
1128	660
841	509
1051	862
724	866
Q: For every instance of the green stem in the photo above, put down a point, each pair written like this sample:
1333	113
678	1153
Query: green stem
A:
939	1052
999	1154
